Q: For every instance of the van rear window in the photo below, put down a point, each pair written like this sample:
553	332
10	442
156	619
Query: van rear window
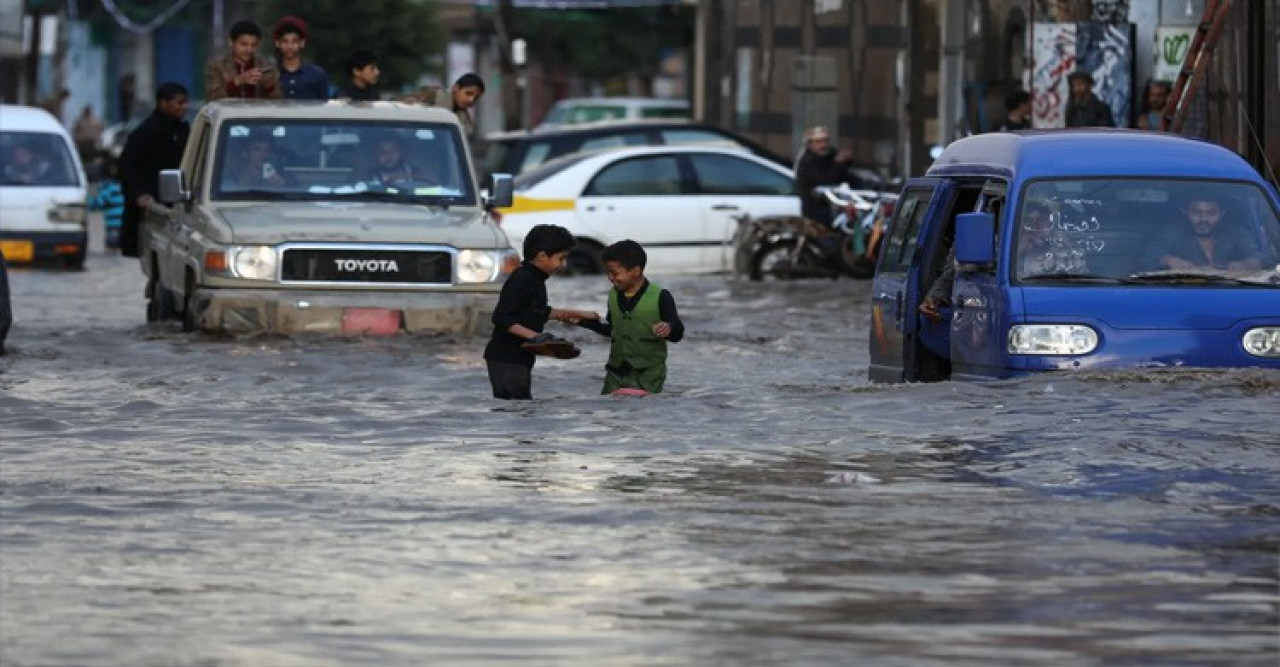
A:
36	159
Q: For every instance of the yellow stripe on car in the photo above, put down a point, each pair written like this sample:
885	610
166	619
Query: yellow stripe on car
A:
523	204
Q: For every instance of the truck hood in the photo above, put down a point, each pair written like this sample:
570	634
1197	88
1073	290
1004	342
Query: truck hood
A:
1183	307
359	222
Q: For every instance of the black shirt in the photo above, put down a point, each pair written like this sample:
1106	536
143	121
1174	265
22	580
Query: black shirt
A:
357	94
156	144
523	301
666	310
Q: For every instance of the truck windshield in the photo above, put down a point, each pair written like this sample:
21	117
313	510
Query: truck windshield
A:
325	160
1178	232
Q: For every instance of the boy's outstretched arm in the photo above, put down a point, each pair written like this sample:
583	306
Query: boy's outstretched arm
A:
602	327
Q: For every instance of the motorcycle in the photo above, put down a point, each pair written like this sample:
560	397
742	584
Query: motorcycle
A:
789	247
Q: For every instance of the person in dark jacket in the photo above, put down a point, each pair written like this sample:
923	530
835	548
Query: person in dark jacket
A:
1084	109
363	73
522	311
156	144
1017	105
819	164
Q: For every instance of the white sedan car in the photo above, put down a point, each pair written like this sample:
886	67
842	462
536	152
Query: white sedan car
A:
679	202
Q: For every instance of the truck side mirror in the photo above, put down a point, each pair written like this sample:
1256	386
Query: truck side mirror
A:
975	239
502	192
173	187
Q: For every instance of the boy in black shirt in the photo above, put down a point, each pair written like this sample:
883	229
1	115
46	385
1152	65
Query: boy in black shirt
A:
362	68
522	311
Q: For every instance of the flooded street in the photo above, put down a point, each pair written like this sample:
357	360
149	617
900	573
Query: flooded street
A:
175	499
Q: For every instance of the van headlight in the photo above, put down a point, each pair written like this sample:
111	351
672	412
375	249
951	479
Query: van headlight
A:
253	262
485	266
1263	342
76	213
1052	339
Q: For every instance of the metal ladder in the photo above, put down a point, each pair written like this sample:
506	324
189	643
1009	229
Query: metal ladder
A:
1194	65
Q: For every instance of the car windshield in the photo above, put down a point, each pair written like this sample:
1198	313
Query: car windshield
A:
1145	231
36	159
325	160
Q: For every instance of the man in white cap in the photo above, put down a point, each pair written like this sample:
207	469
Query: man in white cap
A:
819	165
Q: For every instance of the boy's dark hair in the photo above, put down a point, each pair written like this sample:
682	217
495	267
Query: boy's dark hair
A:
242	28
470	80
287	25
169	90
1080	75
550	239
1016	99
628	253
360	59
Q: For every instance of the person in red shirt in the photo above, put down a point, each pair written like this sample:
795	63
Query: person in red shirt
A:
241	72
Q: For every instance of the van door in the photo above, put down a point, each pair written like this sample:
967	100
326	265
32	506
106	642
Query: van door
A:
897	285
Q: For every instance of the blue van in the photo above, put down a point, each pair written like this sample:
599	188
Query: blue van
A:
1077	249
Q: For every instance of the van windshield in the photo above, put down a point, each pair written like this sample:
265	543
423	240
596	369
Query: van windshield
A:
1163	231
421	163
36	159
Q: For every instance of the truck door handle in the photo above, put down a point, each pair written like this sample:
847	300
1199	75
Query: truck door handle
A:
724	207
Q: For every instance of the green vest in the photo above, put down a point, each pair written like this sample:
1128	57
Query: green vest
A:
633	339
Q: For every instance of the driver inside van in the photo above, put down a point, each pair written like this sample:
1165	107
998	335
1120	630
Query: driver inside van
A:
25	167
1204	240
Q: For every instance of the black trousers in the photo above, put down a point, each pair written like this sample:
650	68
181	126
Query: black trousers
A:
511	381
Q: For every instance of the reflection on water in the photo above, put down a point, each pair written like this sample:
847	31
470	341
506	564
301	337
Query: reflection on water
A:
183	500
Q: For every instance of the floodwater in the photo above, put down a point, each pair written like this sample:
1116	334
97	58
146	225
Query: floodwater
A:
174	499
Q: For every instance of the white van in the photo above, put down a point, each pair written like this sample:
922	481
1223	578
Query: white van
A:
43	190
576	110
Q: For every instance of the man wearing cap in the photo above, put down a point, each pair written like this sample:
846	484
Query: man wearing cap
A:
1084	109
819	164
298	80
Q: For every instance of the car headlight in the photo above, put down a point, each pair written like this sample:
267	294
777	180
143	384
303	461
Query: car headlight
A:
77	213
484	266
1052	339
1263	342
255	262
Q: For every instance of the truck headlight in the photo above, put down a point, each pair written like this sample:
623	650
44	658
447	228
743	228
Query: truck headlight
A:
1052	339
254	262
1262	342
485	266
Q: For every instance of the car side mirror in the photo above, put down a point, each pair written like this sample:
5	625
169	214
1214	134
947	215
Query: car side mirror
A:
173	187
975	240
502	192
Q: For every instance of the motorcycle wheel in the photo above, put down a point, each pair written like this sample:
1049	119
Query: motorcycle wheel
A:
774	261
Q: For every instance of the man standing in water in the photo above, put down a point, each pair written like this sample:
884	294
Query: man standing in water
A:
156	144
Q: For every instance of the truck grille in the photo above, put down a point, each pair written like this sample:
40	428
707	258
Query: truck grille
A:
377	266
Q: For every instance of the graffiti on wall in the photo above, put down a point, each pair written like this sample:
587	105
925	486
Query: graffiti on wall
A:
1101	49
1053	46
1172	44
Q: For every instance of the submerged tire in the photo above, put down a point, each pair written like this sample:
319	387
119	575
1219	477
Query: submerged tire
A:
774	261
584	260
160	305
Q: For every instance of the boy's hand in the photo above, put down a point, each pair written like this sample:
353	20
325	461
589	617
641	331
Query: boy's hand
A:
662	330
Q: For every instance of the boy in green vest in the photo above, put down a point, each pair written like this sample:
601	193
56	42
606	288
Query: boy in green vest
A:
642	320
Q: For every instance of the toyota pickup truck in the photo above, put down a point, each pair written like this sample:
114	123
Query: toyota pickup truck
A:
1078	249
327	217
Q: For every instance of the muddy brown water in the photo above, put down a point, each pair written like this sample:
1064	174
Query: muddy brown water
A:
174	499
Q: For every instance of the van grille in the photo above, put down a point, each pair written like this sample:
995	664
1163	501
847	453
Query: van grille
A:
422	267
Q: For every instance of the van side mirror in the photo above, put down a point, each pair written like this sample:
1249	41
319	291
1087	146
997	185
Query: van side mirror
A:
173	187
975	239
502	192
